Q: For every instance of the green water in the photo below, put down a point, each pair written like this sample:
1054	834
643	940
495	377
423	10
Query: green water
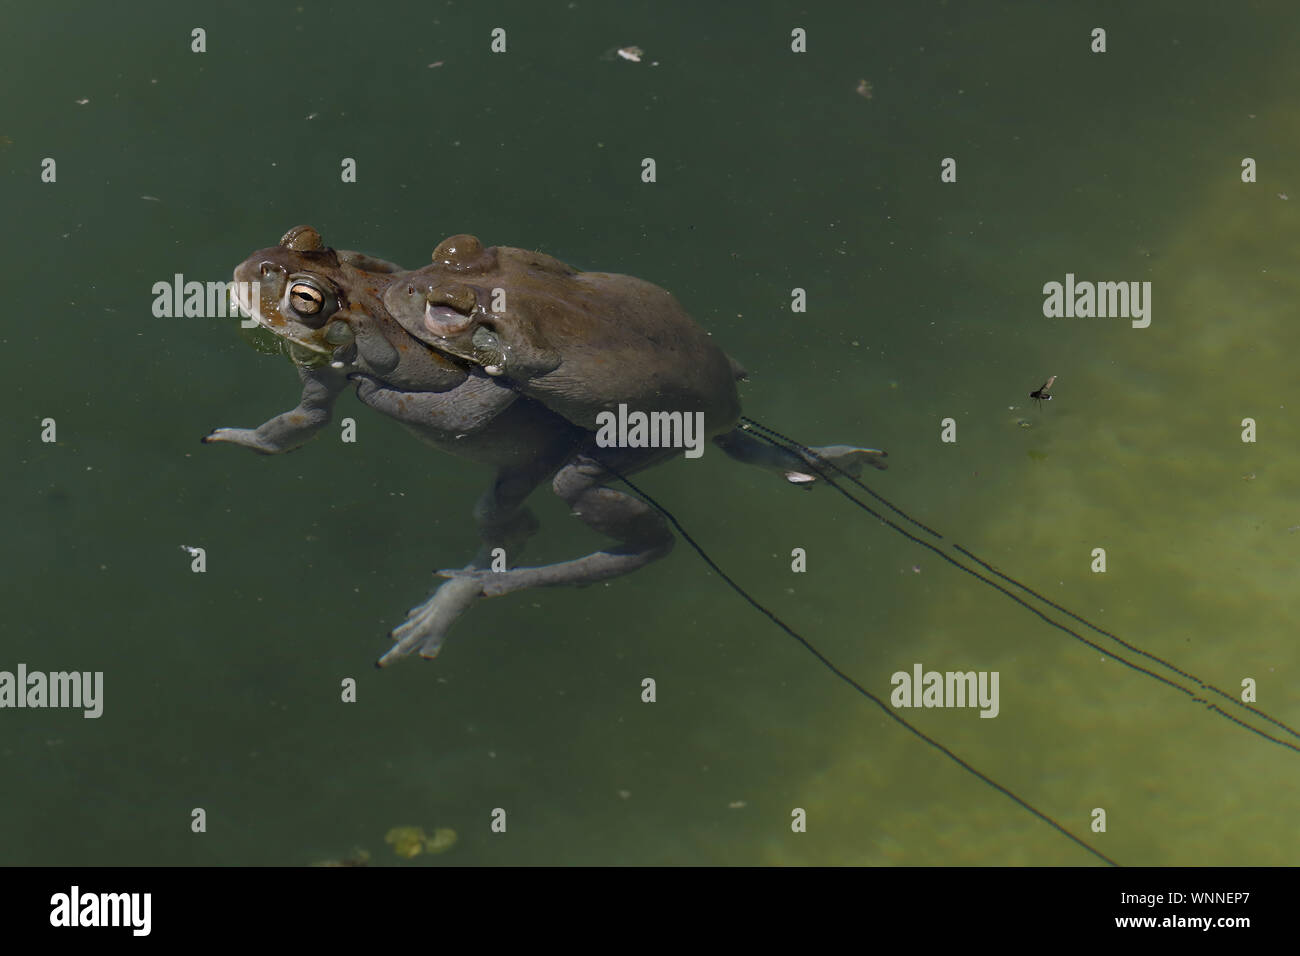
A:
924	302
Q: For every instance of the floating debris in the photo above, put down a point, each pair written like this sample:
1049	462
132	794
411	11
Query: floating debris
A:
632	53
83	101
435	64
443	839
406	841
359	857
865	89
410	842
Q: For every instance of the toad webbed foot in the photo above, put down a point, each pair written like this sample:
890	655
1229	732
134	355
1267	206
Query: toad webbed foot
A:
503	523
799	467
846	458
427	624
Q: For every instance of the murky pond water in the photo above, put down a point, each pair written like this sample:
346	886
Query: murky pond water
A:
774	172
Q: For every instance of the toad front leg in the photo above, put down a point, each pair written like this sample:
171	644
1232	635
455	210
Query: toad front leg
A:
285	432
464	410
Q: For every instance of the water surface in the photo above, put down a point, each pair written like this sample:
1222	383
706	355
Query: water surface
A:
773	173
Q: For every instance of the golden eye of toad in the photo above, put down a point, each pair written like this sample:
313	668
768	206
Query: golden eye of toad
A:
305	300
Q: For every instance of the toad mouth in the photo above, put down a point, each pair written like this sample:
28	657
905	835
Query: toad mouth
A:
241	295
444	321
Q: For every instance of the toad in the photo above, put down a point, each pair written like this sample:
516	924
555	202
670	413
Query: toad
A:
508	358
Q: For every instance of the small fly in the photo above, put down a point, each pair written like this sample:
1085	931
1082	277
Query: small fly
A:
1041	394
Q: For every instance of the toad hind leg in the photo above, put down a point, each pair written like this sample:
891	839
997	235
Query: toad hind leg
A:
503	522
642	533
796	467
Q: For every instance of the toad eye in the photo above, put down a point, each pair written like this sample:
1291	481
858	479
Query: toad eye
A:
309	301
306	299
